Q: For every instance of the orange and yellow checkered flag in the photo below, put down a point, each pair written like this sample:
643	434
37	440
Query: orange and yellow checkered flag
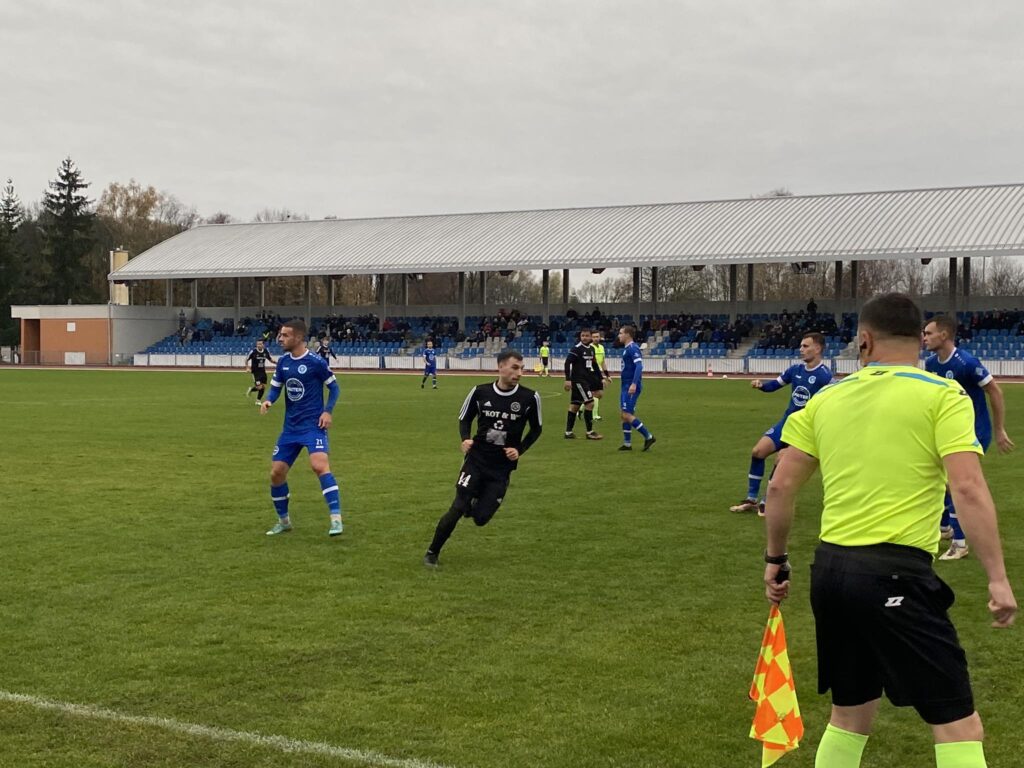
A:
777	721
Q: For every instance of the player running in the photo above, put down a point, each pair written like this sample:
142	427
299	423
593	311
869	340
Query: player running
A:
256	362
631	384
429	364
807	379
503	410
967	371
581	373
302	376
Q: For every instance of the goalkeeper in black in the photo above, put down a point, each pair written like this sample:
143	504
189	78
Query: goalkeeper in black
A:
503	410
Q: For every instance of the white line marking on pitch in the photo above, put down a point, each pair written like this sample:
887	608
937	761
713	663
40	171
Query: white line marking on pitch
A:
279	743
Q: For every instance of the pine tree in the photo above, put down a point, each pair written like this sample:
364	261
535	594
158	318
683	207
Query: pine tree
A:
11	216
69	233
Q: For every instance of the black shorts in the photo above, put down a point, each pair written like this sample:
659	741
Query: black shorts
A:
544	362
479	491
580	394
881	621
259	377
597	384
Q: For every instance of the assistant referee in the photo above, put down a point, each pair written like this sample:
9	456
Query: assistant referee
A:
886	439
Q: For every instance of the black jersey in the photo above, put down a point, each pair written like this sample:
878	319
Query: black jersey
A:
258	360
501	420
581	365
325	351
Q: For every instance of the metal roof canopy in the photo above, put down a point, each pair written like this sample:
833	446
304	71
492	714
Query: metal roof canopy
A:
921	223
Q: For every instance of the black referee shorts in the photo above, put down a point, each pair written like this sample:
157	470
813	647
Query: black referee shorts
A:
882	625
580	394
479	493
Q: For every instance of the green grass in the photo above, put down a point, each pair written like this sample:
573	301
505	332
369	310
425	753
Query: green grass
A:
610	615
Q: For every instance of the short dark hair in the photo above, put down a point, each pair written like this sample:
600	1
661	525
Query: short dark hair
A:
816	337
892	314
945	323
505	354
630	331
297	325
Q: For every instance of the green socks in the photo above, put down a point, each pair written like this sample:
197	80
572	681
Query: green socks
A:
842	749
960	754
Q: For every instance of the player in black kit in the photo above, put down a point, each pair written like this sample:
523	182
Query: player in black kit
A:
256	362
503	410
582	375
323	348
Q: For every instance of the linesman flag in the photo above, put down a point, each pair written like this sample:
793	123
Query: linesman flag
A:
777	722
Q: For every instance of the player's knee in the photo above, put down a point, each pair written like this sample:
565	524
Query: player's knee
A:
278	475
320	464
482	513
461	506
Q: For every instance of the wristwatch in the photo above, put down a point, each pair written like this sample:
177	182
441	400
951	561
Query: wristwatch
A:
776	559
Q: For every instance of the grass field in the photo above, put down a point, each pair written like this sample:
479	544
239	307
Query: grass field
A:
610	615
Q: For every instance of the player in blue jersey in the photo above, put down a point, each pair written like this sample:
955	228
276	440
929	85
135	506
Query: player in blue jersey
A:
806	378
301	376
429	364
964	368
632	387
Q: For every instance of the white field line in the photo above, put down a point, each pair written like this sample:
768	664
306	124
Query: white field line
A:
278	743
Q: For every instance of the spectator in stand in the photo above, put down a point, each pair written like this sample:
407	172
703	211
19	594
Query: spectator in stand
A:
812	307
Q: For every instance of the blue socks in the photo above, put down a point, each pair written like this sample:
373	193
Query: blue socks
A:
279	495
639	427
754	477
329	486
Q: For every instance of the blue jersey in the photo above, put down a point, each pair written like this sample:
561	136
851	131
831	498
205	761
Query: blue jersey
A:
632	366
302	380
967	371
805	383
430	357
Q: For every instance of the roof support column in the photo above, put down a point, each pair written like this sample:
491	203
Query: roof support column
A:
483	291
952	285
967	282
545	283
195	295
405	290
839	288
382	286
750	283
565	291
331	293
853	283
636	295
170	293
308	293
654	288
462	301
733	291
263	291
238	299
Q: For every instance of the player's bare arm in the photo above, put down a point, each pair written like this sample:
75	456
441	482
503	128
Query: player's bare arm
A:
978	517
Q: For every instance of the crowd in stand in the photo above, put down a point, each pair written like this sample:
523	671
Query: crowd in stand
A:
788	330
1009	322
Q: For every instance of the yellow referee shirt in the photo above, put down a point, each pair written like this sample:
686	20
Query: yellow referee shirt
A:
598	354
880	436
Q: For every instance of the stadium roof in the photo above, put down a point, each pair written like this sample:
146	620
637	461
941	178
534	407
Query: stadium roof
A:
919	223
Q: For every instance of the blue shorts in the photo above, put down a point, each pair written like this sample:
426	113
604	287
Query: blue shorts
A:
775	433
627	402
430	370
985	438
290	445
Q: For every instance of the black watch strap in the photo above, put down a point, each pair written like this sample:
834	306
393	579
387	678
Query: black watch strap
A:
776	559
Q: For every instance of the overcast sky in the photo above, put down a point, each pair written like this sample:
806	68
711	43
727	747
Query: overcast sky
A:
388	108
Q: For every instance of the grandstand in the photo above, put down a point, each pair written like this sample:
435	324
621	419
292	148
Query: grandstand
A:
741	335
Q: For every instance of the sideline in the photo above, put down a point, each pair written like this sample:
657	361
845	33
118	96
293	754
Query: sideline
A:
279	743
